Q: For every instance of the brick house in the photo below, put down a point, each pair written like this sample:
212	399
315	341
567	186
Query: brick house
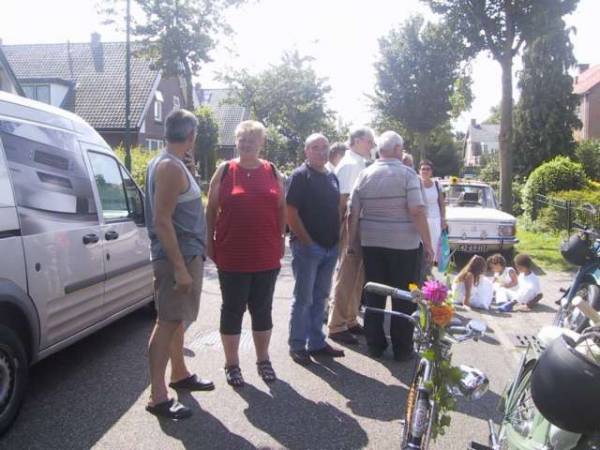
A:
89	79
587	87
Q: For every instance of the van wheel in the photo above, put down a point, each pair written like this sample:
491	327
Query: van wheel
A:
14	369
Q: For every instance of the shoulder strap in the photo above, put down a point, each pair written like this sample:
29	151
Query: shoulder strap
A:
225	170
273	169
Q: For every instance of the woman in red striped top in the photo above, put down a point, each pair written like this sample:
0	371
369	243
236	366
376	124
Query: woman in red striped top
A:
245	219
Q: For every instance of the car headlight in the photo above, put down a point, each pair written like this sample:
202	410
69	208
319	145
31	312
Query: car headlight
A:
507	230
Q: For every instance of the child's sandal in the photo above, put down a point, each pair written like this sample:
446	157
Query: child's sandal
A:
265	370
234	377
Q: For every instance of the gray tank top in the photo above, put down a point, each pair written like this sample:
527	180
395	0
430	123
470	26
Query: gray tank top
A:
188	217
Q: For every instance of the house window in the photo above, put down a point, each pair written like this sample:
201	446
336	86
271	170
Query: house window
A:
158	105
39	92
176	102
154	144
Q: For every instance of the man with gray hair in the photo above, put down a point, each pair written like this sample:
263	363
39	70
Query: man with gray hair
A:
386	224
177	231
343	312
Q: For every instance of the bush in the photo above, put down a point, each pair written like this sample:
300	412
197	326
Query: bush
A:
140	157
559	174
588	154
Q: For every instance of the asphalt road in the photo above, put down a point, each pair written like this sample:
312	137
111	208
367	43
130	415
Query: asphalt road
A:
92	395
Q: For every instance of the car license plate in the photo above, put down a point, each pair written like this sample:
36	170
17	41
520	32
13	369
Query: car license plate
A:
471	248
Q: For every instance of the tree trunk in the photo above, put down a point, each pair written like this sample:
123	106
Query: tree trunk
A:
506	135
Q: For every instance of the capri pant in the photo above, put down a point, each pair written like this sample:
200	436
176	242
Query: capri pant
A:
253	290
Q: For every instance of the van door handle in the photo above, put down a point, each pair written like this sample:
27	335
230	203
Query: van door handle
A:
90	238
111	235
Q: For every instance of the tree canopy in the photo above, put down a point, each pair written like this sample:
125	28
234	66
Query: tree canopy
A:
290	99
500	27
206	141
546	116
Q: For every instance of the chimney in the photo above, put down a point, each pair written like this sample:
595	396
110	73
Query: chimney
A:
97	52
0	41
473	122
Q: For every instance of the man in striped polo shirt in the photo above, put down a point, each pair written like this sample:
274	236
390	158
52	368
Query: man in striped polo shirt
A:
387	222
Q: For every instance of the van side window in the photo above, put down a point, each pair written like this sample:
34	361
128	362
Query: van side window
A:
118	193
110	187
134	197
50	180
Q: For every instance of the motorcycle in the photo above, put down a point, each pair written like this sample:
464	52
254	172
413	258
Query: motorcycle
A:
421	406
582	250
554	401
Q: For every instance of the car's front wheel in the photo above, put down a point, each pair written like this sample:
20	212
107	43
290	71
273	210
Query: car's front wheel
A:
14	369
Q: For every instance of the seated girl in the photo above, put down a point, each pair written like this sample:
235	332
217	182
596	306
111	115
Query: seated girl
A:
528	292
470	287
505	278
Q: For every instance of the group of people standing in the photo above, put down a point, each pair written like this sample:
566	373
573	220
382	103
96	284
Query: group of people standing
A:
369	220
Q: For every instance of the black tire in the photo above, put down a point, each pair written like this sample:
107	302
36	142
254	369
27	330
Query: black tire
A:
14	369
572	318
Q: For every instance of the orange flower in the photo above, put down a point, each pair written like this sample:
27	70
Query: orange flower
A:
441	314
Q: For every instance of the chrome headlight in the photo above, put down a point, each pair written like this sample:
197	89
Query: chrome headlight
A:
472	385
507	230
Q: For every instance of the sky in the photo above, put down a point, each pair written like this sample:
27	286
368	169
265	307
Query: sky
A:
341	35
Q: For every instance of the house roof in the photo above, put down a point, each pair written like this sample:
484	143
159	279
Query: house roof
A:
228	116
4	64
587	80
98	73
485	132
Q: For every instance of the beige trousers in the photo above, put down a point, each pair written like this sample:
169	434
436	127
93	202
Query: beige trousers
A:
347	291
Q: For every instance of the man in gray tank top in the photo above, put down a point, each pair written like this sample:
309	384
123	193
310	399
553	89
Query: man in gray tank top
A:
177	230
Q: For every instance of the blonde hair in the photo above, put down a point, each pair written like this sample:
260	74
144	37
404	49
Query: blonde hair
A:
250	127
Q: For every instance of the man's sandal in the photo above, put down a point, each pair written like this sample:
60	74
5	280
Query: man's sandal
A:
234	377
265	370
170	409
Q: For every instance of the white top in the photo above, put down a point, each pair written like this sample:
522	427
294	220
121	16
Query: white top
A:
529	287
431	201
504	278
330	166
348	170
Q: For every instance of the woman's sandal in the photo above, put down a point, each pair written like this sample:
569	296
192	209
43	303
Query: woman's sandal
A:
265	370
234	377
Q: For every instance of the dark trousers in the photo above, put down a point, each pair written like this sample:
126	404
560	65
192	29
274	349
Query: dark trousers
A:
395	268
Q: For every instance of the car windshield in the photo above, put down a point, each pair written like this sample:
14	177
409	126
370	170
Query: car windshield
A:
469	196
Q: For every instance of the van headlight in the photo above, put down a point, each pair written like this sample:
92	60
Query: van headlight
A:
507	230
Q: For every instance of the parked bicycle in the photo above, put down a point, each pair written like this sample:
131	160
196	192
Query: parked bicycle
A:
553	403
422	404
582	250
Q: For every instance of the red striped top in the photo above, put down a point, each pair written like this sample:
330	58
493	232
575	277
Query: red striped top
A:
247	232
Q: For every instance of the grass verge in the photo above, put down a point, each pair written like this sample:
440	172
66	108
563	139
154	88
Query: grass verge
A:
544	248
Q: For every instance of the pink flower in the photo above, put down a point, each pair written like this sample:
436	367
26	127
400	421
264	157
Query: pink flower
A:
435	291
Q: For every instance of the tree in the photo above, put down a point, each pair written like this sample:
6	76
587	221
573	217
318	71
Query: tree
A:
500	27
445	152
494	117
421	82
206	141
546	113
177	35
288	97
588	154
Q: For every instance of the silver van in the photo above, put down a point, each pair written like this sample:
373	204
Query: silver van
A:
74	251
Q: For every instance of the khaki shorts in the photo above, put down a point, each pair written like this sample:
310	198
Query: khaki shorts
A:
173	305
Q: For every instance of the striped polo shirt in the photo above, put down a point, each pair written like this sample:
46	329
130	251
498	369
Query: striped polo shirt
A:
383	193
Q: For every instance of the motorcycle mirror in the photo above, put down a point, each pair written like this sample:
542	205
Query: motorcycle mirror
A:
476	326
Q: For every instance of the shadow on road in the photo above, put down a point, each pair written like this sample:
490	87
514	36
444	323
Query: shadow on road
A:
298	423
105	372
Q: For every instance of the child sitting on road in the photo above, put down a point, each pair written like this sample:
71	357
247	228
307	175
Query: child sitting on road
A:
505	278
528	292
470	287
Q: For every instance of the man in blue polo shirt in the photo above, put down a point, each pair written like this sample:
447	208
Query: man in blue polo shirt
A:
313	216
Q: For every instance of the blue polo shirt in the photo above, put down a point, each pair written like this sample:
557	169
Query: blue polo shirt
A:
316	195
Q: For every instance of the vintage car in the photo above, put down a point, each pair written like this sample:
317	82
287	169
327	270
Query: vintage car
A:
475	223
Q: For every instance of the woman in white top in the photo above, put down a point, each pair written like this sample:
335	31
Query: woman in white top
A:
434	202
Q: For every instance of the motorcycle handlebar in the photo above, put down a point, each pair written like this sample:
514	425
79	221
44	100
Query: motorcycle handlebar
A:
384	290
